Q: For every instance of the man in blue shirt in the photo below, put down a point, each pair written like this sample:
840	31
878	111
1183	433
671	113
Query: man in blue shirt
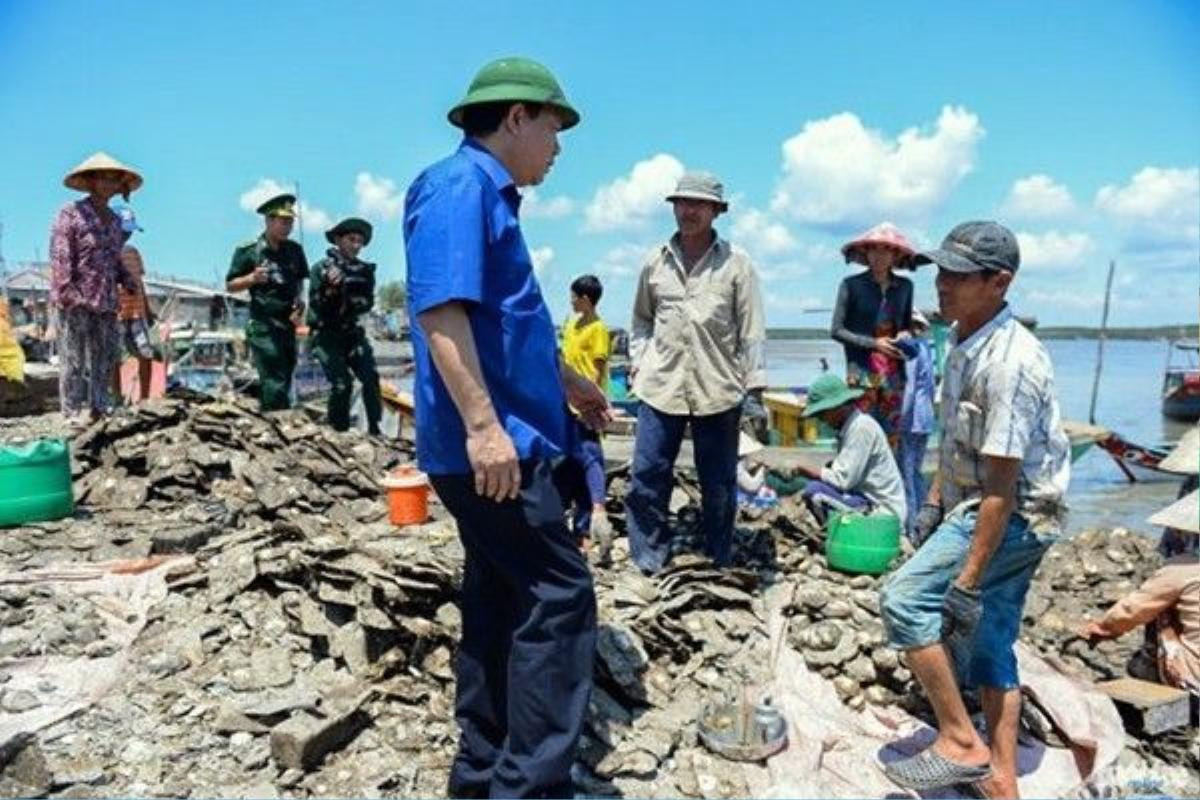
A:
916	416
493	432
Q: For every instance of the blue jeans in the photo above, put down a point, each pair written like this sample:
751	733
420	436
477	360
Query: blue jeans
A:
910	456
589	482
911	599
822	496
714	442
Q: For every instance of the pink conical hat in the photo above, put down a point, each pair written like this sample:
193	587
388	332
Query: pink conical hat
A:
884	233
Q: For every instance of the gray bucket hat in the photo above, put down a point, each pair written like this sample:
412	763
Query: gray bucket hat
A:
974	247
700	186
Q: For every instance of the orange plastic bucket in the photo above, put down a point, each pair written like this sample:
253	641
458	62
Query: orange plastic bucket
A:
407	495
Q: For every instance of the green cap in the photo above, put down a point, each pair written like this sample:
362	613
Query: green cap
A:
350	225
515	79
281	205
829	391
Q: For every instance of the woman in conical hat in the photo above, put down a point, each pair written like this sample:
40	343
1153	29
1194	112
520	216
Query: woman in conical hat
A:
874	307
85	268
1168	604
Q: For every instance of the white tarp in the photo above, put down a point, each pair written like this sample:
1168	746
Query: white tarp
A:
122	592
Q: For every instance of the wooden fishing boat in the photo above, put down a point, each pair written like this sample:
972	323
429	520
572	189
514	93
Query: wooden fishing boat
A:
1181	382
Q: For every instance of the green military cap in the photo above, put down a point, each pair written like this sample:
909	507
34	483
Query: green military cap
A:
515	79
350	225
281	205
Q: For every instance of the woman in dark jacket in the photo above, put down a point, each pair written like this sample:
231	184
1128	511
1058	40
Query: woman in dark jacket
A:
873	308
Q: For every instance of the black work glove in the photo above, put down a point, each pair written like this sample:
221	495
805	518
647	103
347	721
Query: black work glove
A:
926	522
961	610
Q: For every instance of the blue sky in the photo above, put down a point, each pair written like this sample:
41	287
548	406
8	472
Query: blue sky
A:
1076	123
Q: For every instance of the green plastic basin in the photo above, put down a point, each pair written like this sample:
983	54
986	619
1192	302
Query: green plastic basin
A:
35	482
862	544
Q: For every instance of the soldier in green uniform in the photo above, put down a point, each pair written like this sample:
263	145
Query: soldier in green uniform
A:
273	268
341	288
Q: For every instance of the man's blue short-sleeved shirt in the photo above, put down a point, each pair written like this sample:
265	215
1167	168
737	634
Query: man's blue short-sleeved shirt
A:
464	245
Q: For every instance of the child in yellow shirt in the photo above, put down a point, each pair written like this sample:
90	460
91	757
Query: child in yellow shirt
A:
586	349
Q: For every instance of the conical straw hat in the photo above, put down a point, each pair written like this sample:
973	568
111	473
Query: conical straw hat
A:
1183	514
77	178
1185	458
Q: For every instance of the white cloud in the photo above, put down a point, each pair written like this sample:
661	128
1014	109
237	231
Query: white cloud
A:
631	200
761	235
838	173
377	196
1159	207
623	261
1053	248
542	256
313	219
534	207
1038	197
259	193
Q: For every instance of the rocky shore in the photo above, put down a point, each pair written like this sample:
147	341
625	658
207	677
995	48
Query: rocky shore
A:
299	645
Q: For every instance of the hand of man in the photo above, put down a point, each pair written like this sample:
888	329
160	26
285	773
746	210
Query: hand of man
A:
753	408
587	399
601	533
260	275
961	610
885	345
1093	632
926	522
493	459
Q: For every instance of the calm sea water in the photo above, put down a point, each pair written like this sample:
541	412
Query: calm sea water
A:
1128	403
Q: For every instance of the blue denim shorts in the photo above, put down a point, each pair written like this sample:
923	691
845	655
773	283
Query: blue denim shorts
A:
911	599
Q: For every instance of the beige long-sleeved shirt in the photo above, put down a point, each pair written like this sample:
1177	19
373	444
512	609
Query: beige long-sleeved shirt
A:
698	339
1171	595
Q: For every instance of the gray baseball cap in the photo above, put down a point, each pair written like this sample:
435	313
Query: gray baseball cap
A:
974	247
700	186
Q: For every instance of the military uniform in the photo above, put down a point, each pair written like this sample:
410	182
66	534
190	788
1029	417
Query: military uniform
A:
342	289
270	334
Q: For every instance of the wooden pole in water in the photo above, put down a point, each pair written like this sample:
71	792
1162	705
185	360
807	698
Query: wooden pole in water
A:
1112	266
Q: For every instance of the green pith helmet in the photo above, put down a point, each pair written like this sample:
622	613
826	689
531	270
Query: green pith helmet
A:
515	79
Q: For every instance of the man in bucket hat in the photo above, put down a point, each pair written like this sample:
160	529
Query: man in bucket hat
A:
492	433
341	290
863	476
696	356
995	507
273	268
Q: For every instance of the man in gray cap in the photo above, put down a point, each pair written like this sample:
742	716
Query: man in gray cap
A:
995	507
696	353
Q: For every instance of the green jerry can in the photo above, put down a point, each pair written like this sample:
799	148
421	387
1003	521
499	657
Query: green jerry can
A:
35	482
862	543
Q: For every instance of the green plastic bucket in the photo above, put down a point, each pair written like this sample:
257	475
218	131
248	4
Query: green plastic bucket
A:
862	543
35	482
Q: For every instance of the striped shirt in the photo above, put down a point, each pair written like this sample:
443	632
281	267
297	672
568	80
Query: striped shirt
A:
998	400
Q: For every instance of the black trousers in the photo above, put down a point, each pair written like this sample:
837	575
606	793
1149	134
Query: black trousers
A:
524	666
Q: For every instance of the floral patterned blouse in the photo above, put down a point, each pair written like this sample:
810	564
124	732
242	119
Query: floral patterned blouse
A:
85	259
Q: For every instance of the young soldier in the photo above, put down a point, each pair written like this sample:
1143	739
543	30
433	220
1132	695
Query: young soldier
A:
273	268
493	429
342	289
